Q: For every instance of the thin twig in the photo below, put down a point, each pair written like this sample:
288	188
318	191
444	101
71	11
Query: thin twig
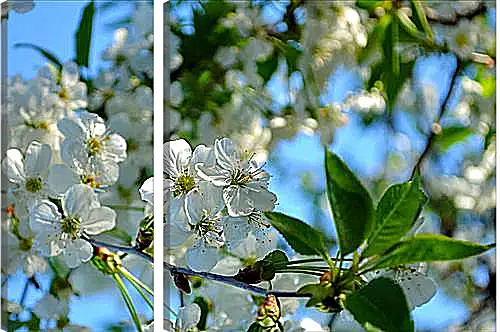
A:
128	250
442	110
230	281
206	275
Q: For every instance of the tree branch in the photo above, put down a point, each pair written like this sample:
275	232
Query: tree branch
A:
453	19
442	110
206	275
128	250
230	281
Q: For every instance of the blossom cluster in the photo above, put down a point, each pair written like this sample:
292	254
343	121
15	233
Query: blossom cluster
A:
78	146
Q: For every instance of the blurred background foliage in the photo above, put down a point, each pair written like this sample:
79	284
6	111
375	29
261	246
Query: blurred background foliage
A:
379	83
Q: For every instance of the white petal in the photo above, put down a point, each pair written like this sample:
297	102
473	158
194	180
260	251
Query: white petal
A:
35	264
44	216
216	175
107	172
70	74
38	157
175	234
176	156
100	219
261	198
207	198
13	166
418	288
202	258
115	148
76	252
235	230
237	201
71	128
60	178
74	153
93	124
203	155
146	190
188	317
226	153
78	200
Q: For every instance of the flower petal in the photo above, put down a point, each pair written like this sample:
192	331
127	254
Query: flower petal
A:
13	166
188	317
79	200
38	157
60	178
72	128
237	201
201	257
115	148
76	252
226	153
235	230
99	220
146	190
44	216
176	156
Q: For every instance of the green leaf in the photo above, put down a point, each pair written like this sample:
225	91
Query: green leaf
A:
350	202
390	70
451	136
273	261
205	309
370	5
397	211
83	35
255	327
381	304
267	68
420	18
322	297
44	52
428	248
300	236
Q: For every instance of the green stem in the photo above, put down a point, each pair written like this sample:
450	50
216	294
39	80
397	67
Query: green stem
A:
317	274
137	286
307	267
126	272
128	301
126	207
312	260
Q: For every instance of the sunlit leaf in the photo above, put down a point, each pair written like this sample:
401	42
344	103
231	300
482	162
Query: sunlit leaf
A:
300	236
451	136
397	211
350	202
428	248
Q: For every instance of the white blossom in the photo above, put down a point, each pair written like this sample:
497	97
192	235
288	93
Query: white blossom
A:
60	233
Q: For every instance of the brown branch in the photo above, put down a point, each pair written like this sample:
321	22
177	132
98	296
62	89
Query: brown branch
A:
228	280
206	275
442	110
